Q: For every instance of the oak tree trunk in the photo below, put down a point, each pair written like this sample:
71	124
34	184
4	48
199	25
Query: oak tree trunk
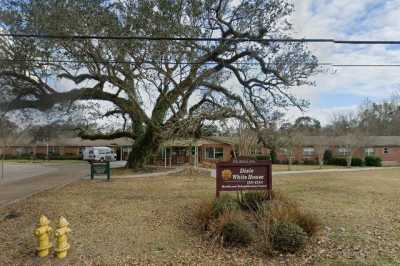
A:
144	147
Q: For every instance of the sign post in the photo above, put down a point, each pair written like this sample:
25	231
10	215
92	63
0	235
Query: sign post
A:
100	168
244	174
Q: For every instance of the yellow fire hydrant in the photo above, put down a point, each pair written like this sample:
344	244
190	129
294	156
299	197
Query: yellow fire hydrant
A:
61	233
43	235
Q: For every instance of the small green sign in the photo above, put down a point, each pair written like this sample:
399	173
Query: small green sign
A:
100	169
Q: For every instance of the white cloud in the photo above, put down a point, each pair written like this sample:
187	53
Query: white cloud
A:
354	20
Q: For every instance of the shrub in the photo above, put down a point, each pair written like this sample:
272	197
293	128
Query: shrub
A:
19	157
328	156
237	231
203	215
356	162
261	157
310	162
281	224
282	209
309	222
65	157
253	200
224	203
274	156
338	161
287	237
40	156
373	161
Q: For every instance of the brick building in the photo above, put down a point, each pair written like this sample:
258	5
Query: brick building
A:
385	147
63	147
209	150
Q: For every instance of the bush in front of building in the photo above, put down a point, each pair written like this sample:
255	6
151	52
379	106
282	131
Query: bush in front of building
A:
310	162
328	156
357	162
262	157
65	157
339	161
19	157
373	161
273	156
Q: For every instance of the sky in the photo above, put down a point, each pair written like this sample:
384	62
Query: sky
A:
344	89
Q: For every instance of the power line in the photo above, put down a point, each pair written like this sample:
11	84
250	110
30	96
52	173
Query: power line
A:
122	62
365	65
198	39
41	61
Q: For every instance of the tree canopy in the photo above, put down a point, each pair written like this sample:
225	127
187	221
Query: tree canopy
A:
159	88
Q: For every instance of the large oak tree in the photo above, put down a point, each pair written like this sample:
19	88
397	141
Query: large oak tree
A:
160	88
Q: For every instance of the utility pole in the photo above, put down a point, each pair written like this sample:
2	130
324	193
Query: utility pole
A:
47	149
2	163
3	151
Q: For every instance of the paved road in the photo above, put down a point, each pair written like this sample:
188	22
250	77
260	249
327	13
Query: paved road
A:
18	171
24	180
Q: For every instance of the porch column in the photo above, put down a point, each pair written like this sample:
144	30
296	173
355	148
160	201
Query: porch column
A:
165	157
196	156
170	157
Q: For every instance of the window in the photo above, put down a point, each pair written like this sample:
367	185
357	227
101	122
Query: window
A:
343	151
214	153
369	151
386	150
219	153
308	151
54	150
24	151
209	153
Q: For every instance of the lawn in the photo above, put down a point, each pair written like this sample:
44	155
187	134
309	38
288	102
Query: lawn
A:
122	171
146	221
302	167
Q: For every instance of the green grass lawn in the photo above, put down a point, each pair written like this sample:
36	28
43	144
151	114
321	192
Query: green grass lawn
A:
146	221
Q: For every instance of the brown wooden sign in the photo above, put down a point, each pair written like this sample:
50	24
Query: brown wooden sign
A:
240	175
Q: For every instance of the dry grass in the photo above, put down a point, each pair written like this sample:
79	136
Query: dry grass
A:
143	221
302	167
122	171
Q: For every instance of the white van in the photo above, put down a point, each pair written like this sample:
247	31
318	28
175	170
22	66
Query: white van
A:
99	154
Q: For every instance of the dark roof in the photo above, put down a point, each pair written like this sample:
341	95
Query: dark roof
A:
181	142
77	142
364	140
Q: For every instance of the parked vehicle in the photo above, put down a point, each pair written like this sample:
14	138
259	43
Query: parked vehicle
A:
99	154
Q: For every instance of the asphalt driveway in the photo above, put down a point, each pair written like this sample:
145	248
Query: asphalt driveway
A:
24	180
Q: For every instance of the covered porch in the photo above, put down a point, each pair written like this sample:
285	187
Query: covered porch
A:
193	152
